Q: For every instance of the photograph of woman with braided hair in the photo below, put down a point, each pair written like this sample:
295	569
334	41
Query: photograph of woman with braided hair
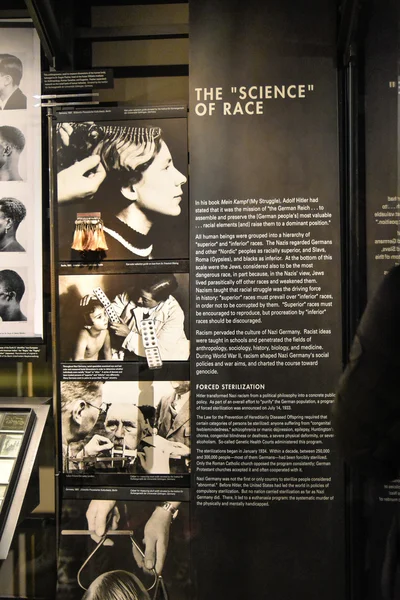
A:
130	177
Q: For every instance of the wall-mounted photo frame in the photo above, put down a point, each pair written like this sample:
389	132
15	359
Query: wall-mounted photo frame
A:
21	247
16	426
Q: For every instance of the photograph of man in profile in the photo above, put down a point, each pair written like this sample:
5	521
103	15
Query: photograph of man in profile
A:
11	71
12	212
12	288
12	143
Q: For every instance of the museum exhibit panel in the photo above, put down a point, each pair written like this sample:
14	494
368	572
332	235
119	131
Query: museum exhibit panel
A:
198	199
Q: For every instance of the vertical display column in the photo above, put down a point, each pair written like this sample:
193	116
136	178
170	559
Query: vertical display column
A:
21	287
266	299
381	143
122	350
379	578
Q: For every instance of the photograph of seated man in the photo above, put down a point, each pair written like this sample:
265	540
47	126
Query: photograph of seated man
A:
94	338
11	72
12	212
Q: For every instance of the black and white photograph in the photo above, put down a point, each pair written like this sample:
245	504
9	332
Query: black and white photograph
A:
104	317
12	152
122	190
13	421
21	260
12	213
6	467
126	427
10	444
11	75
13	297
124	549
21	241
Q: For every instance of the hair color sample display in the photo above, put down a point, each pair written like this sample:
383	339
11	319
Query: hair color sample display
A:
141	165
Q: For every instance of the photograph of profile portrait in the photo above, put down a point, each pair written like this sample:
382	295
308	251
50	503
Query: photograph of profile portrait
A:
89	333
11	73
117	549
126	427
134	173
12	296
12	213
12	144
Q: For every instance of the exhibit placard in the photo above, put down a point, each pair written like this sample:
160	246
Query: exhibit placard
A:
21	243
123	341
266	297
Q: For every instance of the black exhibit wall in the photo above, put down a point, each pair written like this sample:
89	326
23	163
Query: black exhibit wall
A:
379	579
381	141
266	315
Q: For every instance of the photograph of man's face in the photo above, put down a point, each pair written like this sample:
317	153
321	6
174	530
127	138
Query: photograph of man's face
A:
124	425
89	415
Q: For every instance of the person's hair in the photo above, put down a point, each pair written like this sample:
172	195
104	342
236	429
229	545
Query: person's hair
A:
79	390
89	309
143	144
13	136
12	282
139	146
116	585
13	209
160	286
12	66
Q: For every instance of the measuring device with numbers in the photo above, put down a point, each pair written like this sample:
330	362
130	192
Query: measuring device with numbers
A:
110	310
149	337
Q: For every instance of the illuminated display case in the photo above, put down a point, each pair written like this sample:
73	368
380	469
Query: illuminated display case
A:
22	423
15	432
